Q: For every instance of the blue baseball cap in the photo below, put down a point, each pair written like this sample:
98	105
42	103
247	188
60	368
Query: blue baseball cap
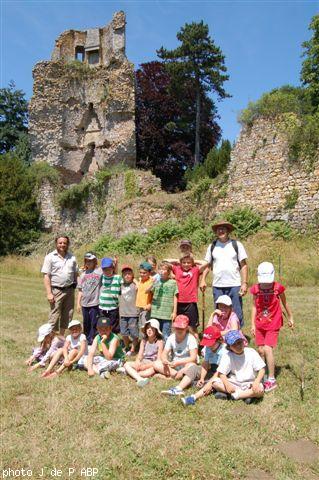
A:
106	262
146	266
232	337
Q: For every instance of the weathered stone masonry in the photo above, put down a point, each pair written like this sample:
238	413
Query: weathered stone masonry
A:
82	109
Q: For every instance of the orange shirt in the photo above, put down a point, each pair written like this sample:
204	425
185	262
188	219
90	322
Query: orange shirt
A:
143	298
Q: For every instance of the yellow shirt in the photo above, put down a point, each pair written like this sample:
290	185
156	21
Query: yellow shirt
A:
143	298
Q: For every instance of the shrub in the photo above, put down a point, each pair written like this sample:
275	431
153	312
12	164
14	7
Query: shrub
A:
291	199
200	188
280	229
245	220
43	171
131	185
75	196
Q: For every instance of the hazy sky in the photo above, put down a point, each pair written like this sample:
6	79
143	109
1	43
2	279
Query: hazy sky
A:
261	40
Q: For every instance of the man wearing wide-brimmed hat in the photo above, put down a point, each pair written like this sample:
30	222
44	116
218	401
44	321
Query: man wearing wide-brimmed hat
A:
228	260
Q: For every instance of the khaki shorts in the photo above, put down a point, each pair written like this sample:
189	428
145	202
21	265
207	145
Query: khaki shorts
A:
62	309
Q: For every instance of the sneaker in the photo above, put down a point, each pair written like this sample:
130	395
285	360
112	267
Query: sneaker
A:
220	396
270	385
174	392
141	383
129	353
186	401
106	375
248	401
121	370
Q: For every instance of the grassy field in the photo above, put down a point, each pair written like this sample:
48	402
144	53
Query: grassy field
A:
130	433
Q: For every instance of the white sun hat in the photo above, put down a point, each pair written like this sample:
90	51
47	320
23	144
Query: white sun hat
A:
266	272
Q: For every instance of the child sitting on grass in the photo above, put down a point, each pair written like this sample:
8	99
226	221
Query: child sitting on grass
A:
181	348
128	311
266	317
164	303
151	348
110	354
75	346
215	348
240	371
50	342
225	318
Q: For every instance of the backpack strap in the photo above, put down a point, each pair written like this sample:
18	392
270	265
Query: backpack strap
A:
235	247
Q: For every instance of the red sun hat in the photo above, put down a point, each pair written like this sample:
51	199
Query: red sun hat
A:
210	336
181	321
126	267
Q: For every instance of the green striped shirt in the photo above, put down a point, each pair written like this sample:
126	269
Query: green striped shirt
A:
110	291
163	299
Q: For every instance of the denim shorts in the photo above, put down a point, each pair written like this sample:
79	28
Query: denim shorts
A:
129	326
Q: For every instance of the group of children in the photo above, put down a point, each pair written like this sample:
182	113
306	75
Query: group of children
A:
144	311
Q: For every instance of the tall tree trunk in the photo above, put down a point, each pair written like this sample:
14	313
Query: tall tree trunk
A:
197	125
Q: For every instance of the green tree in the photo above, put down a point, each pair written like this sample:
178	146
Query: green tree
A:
200	61
19	215
310	66
13	117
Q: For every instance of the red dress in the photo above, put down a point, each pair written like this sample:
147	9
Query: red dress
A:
268	306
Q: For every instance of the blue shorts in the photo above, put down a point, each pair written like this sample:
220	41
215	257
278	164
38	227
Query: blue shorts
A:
129	327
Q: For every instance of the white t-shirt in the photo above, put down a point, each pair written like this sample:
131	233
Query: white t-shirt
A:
75	343
226	271
181	350
241	368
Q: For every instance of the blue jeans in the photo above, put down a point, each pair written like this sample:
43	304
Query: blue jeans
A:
233	293
90	315
166	328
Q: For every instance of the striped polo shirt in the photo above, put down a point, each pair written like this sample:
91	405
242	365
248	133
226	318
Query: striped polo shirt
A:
109	292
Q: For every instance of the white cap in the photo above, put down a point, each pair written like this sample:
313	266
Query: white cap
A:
225	300
90	256
153	323
74	323
44	330
266	272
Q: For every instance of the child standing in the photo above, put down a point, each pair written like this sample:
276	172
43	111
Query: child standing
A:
181	346
110	354
240	371
151	348
75	346
225	318
144	295
128	310
154	274
50	342
187	277
266	317
88	297
109	293
164	304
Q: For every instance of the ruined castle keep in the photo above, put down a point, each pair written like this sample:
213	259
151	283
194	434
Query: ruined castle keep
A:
82	108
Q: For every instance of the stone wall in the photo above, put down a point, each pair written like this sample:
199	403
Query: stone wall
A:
82	116
261	176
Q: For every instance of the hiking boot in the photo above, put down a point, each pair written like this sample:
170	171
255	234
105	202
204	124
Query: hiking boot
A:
106	375
221	396
186	401
270	385
141	383
174	392
121	370
248	401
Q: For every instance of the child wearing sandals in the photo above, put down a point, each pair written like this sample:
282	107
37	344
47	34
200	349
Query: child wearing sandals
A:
50	342
75	346
110	354
151	348
225	318
181	347
266	317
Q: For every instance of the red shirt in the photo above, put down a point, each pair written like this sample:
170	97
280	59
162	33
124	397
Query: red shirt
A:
187	284
267	303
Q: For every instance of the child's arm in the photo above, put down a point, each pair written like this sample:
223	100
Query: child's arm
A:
80	353
140	355
160	349
90	358
172	261
203	373
253	318
79	300
66	347
115	264
287	309
202	265
174	312
109	352
228	386
256	383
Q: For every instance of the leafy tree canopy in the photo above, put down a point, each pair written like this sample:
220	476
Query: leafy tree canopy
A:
310	67
13	117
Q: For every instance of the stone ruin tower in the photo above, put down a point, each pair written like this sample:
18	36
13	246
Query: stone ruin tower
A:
82	109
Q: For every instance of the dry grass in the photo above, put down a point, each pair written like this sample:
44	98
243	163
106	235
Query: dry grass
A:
137	434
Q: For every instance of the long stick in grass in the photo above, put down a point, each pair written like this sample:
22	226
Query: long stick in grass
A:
302	366
203	311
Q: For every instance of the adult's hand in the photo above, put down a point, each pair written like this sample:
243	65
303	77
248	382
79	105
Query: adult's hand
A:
51	298
203	286
243	289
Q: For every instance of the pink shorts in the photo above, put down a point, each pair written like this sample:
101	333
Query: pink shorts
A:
266	337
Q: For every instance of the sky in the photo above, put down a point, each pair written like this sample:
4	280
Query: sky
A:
261	40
